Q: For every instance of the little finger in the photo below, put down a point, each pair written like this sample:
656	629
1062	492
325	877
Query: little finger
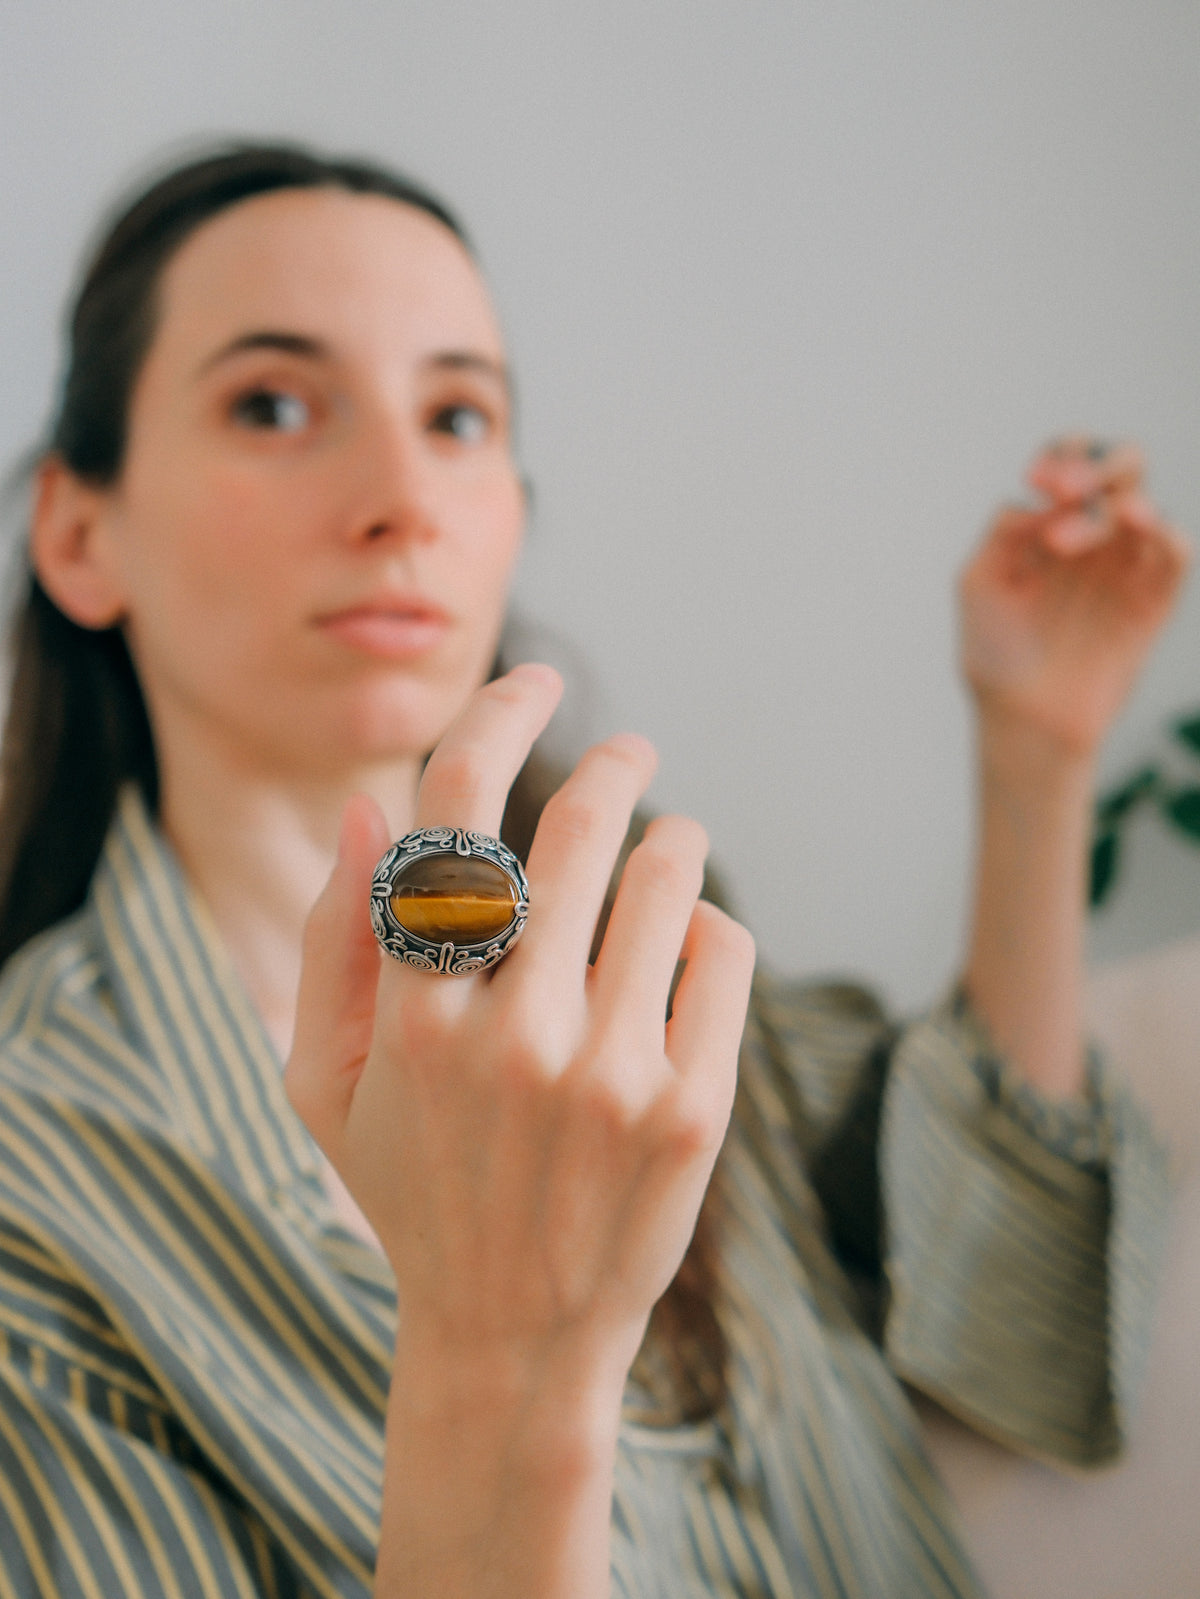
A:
709	1014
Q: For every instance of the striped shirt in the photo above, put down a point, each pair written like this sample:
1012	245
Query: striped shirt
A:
194	1351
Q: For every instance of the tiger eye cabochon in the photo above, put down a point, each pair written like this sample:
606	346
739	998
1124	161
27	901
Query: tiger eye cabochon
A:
458	899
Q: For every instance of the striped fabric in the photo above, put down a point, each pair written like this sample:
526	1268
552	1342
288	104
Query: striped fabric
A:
194	1351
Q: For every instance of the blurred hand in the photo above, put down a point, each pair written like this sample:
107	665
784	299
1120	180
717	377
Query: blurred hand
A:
1062	601
530	1143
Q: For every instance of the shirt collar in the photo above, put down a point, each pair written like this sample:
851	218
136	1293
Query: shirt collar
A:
188	1010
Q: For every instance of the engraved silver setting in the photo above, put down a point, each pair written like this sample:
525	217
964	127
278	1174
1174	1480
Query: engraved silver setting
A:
449	959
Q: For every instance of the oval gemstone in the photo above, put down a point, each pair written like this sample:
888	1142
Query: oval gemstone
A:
455	899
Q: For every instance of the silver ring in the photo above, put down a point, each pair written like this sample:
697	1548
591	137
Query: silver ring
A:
450	901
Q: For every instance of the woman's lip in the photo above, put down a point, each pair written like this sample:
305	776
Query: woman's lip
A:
399	634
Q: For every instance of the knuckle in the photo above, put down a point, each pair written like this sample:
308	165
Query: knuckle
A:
525	1047
663	873
458	773
737	940
626	750
609	1111
724	939
531	1038
670	858
682	832
523	1074
572	817
504	691
623	762
692	1130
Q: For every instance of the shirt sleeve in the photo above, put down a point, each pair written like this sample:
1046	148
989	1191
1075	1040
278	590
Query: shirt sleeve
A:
101	1490
1023	1241
1005	1249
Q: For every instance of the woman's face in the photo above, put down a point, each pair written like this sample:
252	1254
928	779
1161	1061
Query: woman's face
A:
318	513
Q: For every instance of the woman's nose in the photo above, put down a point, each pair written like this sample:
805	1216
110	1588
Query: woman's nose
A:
395	484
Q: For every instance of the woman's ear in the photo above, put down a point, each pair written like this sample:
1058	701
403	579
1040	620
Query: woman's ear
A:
70	546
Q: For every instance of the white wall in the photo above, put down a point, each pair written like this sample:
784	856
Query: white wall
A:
793	290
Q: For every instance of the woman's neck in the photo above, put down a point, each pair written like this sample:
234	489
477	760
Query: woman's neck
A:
259	847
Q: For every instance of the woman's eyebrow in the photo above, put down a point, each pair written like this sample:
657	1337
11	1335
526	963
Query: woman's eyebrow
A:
470	361
269	339
312	349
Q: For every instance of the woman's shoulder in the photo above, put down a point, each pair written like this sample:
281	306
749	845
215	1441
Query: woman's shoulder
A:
54	973
64	1051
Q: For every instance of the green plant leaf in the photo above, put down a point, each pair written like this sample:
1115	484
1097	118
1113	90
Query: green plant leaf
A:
1187	732
1182	809
1105	852
1114	806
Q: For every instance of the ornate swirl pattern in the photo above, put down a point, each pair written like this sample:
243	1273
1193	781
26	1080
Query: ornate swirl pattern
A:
446	957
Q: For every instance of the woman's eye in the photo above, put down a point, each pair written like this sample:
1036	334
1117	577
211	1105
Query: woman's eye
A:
467	423
271	409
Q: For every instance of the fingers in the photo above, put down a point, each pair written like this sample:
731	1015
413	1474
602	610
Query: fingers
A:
469	774
1096	503
578	840
1073	471
650	920
1125	527
1076	530
335	1008
1156	557
1085	481
709	1015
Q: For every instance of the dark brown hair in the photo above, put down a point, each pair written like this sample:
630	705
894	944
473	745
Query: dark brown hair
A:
77	728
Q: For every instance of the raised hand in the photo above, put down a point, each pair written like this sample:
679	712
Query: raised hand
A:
1062	600
1059	608
530	1143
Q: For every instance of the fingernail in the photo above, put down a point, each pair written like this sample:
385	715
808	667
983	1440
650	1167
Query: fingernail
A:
633	742
535	672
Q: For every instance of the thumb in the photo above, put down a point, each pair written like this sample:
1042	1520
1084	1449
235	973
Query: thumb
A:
339	974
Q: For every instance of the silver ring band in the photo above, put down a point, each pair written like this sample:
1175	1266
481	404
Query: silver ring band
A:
450	901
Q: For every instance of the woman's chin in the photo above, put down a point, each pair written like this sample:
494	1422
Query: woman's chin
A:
391	725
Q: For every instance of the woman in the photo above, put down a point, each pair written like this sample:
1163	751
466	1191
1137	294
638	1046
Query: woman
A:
272	538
